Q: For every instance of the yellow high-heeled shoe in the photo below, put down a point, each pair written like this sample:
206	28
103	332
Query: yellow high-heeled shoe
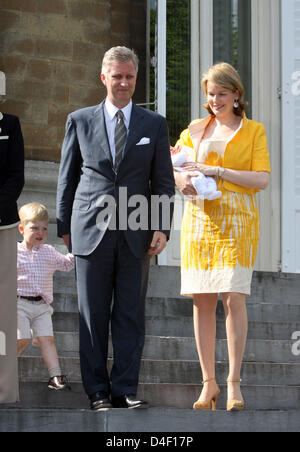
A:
234	404
208	404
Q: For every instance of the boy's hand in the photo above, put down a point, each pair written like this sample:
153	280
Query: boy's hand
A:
66	239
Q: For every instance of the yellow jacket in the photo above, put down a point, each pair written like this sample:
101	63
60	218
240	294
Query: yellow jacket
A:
247	151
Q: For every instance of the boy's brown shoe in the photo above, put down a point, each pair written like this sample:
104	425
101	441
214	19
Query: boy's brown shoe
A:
59	383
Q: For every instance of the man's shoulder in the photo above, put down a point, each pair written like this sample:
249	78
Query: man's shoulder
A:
85	113
150	113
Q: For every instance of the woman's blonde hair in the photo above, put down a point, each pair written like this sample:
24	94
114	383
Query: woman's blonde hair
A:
225	75
33	212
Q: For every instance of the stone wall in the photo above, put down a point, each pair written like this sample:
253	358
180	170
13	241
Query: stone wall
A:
51	52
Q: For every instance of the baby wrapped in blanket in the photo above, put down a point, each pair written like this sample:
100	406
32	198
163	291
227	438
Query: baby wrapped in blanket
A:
204	185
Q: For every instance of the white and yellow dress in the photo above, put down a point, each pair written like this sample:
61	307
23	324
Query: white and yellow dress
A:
219	239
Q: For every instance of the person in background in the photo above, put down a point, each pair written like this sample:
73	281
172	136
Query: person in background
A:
220	237
11	185
37	263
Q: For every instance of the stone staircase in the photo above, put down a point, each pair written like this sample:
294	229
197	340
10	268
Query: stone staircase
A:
170	373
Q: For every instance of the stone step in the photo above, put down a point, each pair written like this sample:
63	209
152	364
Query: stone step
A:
183	348
35	394
276	288
183	327
179	371
152	420
258	312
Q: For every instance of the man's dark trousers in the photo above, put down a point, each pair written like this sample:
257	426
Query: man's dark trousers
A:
112	284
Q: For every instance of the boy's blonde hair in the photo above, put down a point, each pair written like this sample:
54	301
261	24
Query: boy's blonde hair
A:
33	212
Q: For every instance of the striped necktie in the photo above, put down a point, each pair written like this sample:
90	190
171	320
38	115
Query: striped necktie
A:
120	138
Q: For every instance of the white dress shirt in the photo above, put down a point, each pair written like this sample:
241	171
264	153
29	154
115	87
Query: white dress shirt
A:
110	111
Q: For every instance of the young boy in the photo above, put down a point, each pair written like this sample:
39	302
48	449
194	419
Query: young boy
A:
36	265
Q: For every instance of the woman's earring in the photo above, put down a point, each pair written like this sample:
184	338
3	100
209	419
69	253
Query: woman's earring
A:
236	104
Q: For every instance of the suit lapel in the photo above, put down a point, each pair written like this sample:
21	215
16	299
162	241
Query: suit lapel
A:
135	127
100	132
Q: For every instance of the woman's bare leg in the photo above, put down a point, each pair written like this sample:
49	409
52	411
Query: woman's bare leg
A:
205	306
237	331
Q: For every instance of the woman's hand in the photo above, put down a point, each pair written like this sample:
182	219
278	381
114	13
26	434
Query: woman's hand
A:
207	170
175	150
184	184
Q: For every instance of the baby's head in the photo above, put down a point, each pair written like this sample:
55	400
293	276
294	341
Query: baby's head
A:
34	224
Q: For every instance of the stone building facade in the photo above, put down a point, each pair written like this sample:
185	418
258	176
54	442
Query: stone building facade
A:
51	52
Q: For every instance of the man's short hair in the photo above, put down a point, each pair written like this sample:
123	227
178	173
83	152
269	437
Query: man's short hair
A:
119	54
33	212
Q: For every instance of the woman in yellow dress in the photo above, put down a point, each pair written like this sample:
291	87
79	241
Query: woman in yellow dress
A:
220	238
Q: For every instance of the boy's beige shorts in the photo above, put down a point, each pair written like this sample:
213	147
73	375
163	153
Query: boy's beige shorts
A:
34	319
9	386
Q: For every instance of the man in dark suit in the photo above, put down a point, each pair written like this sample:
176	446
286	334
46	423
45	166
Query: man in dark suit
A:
11	185
115	157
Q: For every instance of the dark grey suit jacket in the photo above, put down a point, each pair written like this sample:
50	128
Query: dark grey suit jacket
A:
86	174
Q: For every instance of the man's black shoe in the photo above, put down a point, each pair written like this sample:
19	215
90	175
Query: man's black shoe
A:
128	401
100	401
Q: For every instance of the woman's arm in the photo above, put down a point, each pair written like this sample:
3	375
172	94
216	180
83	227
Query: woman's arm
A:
249	179
184	184
183	179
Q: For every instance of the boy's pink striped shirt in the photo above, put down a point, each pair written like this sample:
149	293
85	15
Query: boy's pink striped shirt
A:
36	269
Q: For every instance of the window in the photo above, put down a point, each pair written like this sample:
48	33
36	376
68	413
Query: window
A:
232	39
178	89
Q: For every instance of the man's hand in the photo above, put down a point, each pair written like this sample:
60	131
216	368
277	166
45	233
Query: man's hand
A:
158	244
66	239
